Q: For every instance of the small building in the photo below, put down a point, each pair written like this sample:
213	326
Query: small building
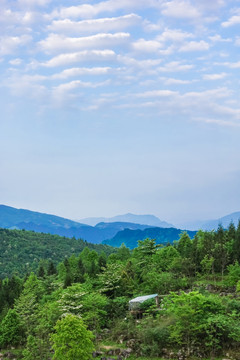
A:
135	304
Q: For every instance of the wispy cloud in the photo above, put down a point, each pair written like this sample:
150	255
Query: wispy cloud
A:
95	25
180	9
81	56
195	46
233	20
218	122
9	44
214	76
60	43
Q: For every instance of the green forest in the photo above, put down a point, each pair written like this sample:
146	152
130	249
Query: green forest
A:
76	306
22	251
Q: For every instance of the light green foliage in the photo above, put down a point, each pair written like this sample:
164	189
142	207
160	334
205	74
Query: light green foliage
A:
110	280
163	258
145	250
221	254
28	302
123	253
207	264
47	316
162	282
89	305
201	320
233	274
72	341
10	329
35	349
22	251
70	301
94	311
184	245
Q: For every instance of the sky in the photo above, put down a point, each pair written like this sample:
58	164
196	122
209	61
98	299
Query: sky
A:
109	107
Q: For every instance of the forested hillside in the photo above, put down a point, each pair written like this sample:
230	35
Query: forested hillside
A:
22	251
67	311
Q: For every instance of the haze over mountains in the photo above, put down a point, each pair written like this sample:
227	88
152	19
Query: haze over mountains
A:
129	218
213	224
12	218
128	228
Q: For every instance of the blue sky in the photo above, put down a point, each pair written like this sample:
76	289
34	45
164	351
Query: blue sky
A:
120	106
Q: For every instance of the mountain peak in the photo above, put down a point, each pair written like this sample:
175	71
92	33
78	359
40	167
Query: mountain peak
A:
147	219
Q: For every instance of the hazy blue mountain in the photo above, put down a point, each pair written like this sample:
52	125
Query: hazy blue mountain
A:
225	221
131	237
12	218
213	224
150	220
111	229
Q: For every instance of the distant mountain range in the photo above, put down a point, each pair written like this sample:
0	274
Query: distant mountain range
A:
130	237
213	224
128	228
150	220
12	218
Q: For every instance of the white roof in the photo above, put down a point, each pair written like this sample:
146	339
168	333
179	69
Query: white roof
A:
141	299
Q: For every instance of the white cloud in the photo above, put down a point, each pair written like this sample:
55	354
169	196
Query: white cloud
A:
207	5
157	93
212	94
146	45
218	38
234	20
64	93
57	43
150	27
135	63
233	65
214	76
77	84
218	122
174	35
9	44
175	66
95	25
172	81
33	3
15	62
27	85
237	41
73	72
81	56
89	11
195	46
180	9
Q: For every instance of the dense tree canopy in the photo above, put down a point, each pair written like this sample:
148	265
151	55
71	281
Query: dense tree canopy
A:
197	281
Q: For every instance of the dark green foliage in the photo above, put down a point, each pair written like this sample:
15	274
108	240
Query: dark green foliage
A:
153	336
41	272
51	270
